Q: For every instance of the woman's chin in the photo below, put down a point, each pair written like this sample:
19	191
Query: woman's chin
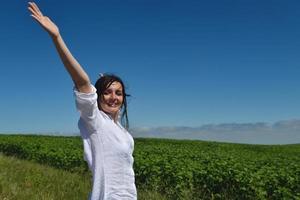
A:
111	111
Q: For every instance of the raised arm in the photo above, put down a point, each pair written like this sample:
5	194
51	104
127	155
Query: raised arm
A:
78	75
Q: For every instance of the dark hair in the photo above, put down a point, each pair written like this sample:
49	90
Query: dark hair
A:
103	83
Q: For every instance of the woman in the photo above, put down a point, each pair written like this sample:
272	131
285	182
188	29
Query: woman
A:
108	147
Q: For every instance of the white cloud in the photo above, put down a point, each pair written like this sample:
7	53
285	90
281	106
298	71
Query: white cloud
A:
281	132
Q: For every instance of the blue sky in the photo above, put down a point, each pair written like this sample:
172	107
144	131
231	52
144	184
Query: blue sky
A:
186	63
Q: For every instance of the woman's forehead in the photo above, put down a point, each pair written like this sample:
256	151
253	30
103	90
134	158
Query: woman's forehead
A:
115	85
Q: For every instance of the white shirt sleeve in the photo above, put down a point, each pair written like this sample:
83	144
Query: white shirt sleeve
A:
87	106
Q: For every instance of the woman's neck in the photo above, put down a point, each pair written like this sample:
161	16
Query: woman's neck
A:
114	117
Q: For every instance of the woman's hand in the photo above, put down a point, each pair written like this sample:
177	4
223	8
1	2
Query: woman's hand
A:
44	21
78	75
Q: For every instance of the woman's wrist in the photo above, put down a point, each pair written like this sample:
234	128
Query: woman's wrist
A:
55	36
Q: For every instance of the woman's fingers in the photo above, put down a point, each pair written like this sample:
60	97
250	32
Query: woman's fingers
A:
36	18
34	9
44	21
33	12
37	8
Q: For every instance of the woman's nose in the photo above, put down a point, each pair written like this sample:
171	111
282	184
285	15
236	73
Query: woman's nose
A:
113	95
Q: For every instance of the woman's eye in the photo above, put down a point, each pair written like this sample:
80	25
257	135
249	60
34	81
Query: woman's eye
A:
119	93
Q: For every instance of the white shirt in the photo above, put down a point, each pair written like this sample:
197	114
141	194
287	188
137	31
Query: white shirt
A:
108	149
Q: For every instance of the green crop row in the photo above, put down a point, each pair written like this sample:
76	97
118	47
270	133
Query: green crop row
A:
207	170
184	169
59	152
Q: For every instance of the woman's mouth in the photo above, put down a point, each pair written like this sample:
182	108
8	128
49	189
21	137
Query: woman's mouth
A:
113	105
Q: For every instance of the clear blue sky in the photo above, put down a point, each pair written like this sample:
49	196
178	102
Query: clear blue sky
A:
186	63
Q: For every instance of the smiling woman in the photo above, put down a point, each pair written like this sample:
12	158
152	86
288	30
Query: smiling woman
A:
108	146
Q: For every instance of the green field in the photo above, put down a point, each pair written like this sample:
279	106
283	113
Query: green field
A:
24	180
180	169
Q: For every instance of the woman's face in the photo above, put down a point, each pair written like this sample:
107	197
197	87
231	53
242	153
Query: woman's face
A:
112	99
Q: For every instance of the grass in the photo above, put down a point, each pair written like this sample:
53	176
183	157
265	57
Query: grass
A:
23	180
